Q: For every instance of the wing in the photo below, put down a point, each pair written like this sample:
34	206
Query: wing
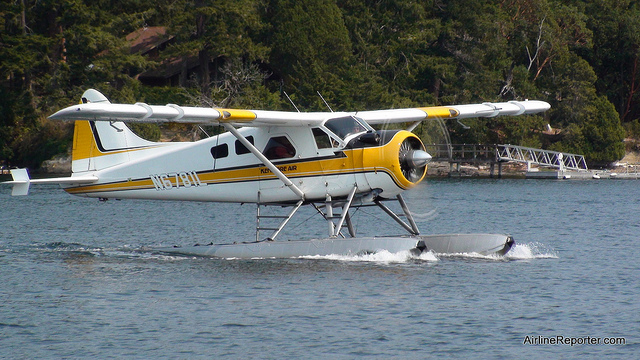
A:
103	110
454	111
140	112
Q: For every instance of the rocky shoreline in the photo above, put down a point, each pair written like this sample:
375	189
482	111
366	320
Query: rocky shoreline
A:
59	165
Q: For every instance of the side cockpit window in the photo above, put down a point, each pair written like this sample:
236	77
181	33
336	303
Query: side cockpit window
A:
279	147
345	126
323	140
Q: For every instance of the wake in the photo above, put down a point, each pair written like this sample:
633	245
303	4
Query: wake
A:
384	257
527	251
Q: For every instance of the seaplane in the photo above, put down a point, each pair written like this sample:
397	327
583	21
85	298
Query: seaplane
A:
334	162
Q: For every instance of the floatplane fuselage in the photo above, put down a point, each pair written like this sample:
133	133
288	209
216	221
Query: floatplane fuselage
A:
222	169
331	161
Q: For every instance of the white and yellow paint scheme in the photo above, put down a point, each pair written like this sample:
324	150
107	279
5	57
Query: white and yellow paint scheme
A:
220	168
264	157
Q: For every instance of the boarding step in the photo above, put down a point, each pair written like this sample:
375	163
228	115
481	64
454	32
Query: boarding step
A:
282	221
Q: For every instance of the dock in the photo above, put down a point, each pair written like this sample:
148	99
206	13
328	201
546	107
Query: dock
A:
541	164
473	154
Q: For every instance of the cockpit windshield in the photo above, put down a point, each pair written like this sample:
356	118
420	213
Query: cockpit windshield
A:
345	126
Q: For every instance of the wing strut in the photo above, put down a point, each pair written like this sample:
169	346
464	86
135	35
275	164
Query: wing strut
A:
296	190
329	215
345	210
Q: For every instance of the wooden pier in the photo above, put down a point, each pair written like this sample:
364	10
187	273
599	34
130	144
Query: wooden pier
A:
458	154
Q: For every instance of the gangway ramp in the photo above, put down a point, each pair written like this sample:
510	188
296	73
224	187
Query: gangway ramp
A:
546	158
567	164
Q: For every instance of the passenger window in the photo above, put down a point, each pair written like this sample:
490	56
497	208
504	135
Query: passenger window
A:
279	147
241	149
323	141
220	151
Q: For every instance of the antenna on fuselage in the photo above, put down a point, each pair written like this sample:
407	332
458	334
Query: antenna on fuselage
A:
325	101
203	130
291	101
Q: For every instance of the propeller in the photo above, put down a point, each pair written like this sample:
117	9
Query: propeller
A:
413	159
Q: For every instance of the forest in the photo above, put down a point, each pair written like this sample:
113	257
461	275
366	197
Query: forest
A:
581	56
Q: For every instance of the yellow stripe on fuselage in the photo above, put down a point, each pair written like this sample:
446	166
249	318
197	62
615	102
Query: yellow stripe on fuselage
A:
303	168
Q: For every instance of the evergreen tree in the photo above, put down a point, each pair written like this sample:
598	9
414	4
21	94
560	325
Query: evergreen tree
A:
213	31
396	52
310	49
616	53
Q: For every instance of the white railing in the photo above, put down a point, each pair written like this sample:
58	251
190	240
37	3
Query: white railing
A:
548	158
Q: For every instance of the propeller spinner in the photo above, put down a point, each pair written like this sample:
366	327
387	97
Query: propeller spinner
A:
413	159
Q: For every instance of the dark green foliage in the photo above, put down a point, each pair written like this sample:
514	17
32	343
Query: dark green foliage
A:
582	56
310	49
597	135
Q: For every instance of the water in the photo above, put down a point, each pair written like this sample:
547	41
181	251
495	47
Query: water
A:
77	282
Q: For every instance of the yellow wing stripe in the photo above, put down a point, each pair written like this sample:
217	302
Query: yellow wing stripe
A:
236	115
440	112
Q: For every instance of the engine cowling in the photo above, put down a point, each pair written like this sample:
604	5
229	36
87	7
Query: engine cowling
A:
400	162
413	159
